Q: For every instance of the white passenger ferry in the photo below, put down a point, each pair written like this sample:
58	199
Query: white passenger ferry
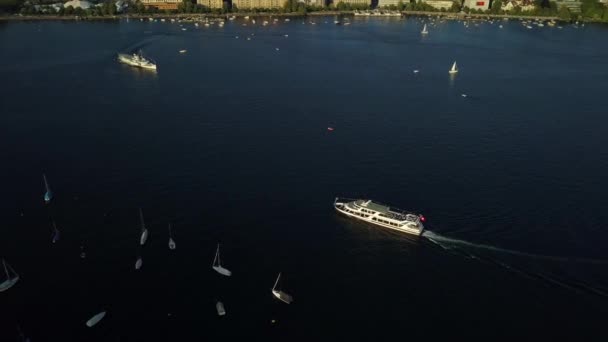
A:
137	60
380	215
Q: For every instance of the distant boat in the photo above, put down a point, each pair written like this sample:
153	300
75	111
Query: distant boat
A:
137	60
144	232
48	195
172	245
416	71
217	266
95	319
282	296
330	129
454	69
10	281
220	308
138	263
56	234
424	30
183	51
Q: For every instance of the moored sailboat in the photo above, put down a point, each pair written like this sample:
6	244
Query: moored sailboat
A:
219	306
95	319
10	281
280	295
424	30
144	231
48	194
172	244
217	265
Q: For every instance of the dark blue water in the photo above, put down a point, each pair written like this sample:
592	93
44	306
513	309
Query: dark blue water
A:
229	142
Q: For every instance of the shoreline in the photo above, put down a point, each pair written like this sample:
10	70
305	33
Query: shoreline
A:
195	16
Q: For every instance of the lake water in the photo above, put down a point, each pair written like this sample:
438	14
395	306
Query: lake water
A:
229	142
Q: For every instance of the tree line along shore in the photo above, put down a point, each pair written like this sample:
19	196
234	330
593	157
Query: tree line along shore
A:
591	10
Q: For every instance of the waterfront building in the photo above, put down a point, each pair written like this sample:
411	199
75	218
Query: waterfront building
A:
477	4
78	4
439	4
162	4
211	3
352	2
383	3
573	5
244	4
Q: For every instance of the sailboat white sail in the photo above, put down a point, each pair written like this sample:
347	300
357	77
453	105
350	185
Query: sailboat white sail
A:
217	265
10	281
219	306
280	295
172	244
424	30
95	319
48	195
454	69
138	263
144	232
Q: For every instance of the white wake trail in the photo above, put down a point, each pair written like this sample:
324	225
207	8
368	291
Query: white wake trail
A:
447	243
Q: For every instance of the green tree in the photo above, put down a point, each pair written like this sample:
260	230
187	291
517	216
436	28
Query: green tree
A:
69	10
496	6
564	13
605	15
400	5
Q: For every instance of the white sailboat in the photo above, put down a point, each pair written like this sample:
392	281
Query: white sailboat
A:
219	306
95	319
138	263
424	30
10	281
172	244
48	194
282	296
454	69
217	265
56	234
144	232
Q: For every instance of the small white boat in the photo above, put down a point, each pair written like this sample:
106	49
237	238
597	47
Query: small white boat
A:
280	295
416	71
10	280
217	265
454	69
144	232
219	306
253	21
48	194
95	319
184	29
172	244
424	30
138	263
183	51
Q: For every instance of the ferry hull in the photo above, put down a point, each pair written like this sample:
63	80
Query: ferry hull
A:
339	208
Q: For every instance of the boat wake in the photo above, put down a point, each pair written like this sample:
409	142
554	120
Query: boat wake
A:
449	243
550	275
